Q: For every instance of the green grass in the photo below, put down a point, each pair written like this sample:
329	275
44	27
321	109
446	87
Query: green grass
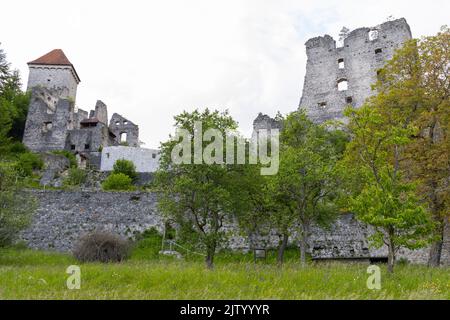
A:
28	274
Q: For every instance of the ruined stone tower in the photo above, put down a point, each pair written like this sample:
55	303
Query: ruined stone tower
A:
340	76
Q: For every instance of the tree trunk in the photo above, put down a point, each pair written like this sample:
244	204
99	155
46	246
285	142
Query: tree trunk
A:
391	256
434	259
210	251
304	244
282	248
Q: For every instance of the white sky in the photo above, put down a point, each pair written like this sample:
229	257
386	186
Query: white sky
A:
150	60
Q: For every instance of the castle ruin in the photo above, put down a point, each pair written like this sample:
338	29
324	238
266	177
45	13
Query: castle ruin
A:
54	123
340	76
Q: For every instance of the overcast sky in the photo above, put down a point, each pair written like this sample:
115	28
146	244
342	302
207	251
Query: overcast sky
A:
150	60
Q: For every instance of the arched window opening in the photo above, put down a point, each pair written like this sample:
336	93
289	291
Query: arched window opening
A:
123	137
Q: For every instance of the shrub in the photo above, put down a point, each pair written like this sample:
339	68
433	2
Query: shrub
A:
76	177
117	181
101	247
28	162
17	148
126	167
69	155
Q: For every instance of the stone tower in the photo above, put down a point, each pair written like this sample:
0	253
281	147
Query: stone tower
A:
54	71
340	76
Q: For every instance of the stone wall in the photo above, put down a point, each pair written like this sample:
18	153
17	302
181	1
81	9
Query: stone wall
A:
64	216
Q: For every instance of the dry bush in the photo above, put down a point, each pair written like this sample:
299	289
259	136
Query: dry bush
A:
101	247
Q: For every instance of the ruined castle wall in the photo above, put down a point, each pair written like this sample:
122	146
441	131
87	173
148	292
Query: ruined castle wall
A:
64	216
53	77
48	120
120	125
361	57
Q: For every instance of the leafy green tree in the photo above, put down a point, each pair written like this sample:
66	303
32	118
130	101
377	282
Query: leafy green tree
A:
16	207
198	196
13	103
126	167
414	90
306	187
382	198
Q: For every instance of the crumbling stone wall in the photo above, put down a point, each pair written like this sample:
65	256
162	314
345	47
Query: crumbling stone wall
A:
120	125
63	216
329	68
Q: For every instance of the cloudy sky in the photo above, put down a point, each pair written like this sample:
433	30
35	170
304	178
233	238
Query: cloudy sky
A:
150	60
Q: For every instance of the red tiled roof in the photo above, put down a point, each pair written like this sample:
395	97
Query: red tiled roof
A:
54	57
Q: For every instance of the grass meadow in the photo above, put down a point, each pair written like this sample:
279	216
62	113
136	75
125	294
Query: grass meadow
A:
29	274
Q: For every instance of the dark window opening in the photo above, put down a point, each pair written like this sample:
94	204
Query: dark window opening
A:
47	126
153	155
349	99
86	146
72	147
322	105
377	51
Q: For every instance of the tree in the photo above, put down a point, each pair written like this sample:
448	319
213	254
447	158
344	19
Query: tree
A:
13	103
198	196
382	198
306	186
16	206
414	89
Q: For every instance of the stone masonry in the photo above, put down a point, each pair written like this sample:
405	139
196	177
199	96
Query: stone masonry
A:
63	216
340	76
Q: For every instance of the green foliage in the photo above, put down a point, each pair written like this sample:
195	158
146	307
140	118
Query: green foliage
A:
13	103
76	177
382	198
147	246
69	155
126	167
117	182
27	162
16	207
17	148
414	91
306	188
198	197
